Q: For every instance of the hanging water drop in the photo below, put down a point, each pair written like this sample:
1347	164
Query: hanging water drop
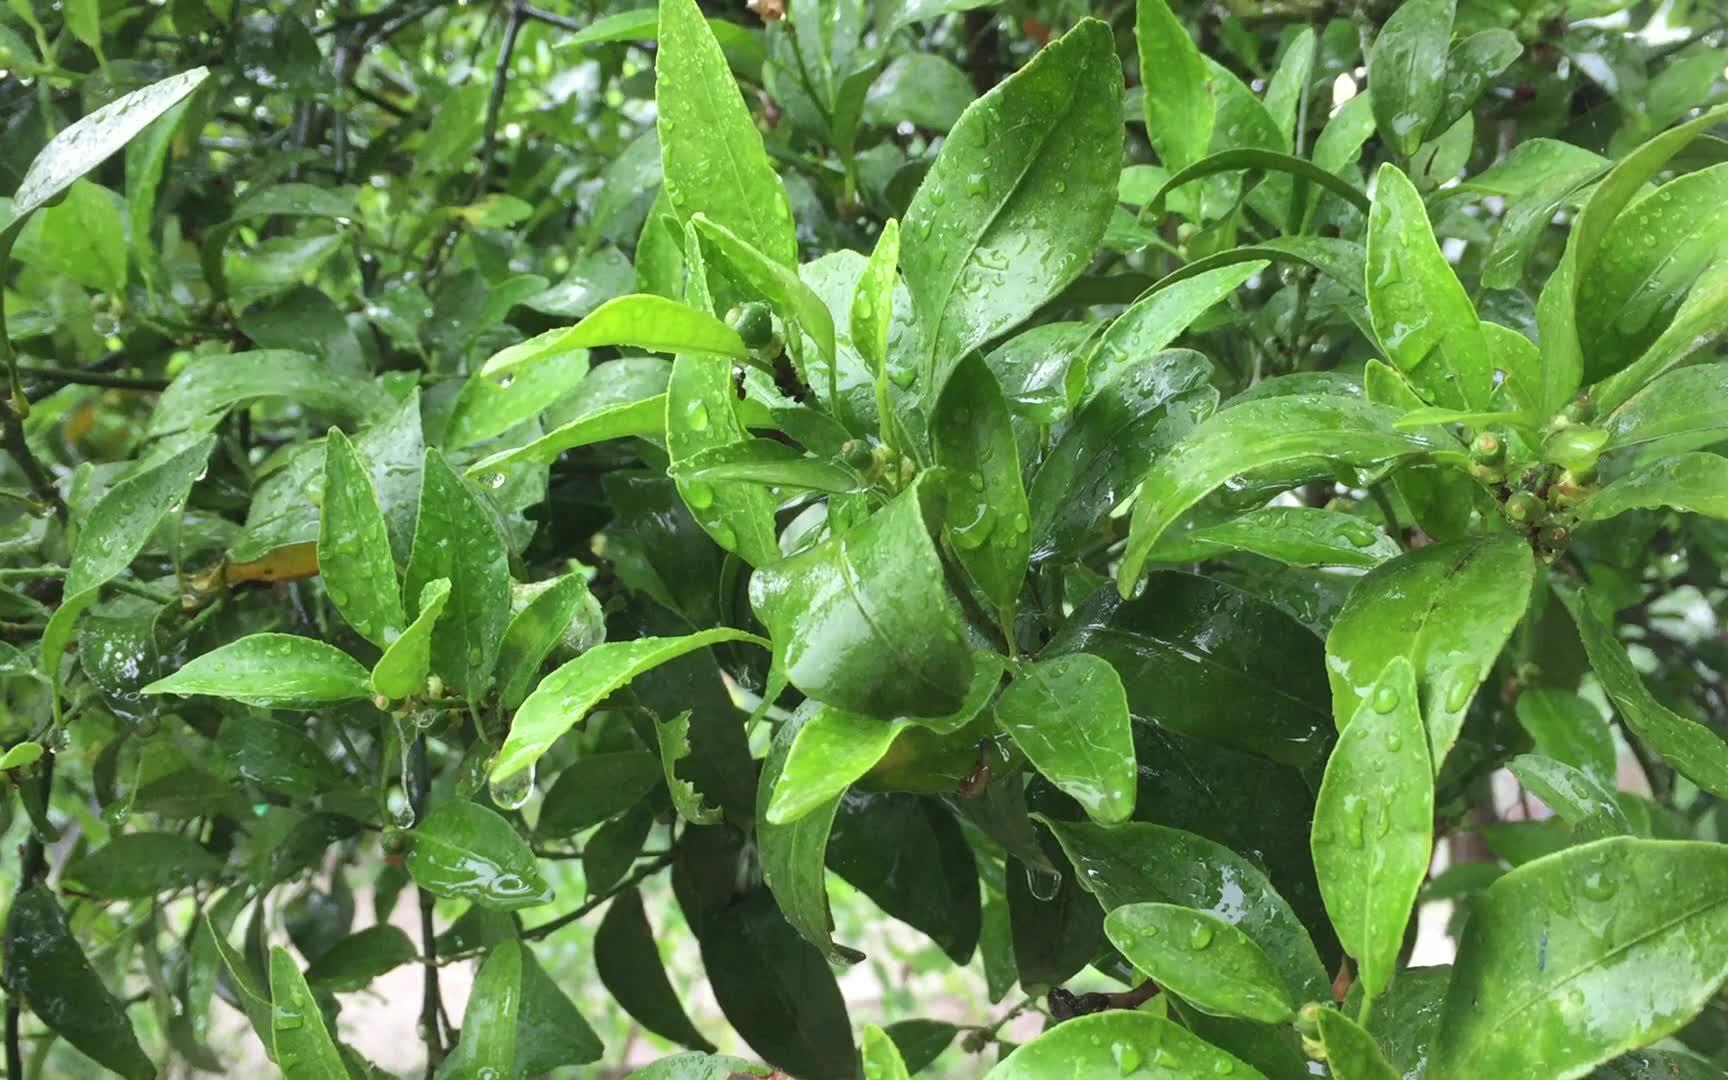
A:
1200	936
1043	884
514	790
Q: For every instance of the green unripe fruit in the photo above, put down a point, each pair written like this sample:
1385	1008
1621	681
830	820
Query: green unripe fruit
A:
857	454
1308	1020
1573	488
1580	410
754	322
1488	449
1524	508
396	841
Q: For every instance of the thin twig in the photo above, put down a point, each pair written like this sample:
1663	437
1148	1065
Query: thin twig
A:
33	866
430	1004
641	874
74	377
529	11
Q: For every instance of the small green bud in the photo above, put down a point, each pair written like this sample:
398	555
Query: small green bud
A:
1524	508
857	454
1308	1020
396	841
1580	410
1573	488
754	322
434	687
380	702
1554	537
1488	449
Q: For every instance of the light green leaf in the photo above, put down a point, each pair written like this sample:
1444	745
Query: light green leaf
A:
775	282
563	698
1202	959
1554	948
710	150
882	1060
1695	483
1293	535
1017	200
642	320
863	621
559	611
1291	428
1470	69
1569	729
1697	752
1179	110
1421	313
1070	716
1407	72
464	851
1702	318
88	142
794	854
1575	796
354	547
206	389
1120	1042
303	1046
1691	402
489	1024
1447	608
988	523
1153	322
872	313
767	462
122	521
1351	1053
406	662
490	406
673	734
272	671
1374	824
455	538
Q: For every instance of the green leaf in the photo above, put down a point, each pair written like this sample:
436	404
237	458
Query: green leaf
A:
774	281
455	538
491	405
352	963
863	621
1691	403
1470	69
618	399
303	1046
1293	535
769	463
642	320
1570	730
1292	428
143	864
1017	200
1572	959
564	698
1421	313
702	414
1695	483
88	142
594	788
988	525
1702	318
1139	862
908	854
1153	322
673	734
279	756
47	969
710	150
1630	292
1201	958
354	547
1119	1042
248	981
794	855
1407	72
551	1032
628	961
406	662
206	389
882	1059
1351	1053
559	609
1257	159
272	671
1344	261
1179	109
1658	1065
465	851
1575	796
1448	609
1374	824
834	748
489	1024
1204	659
1530	213
1070	716
81	236
1696	751
122	521
872	312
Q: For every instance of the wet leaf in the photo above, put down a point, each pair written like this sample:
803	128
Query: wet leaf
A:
770	279
467	852
48	970
1570	730
1695	483
1116	1043
120	524
142	864
1572	959
1691	403
794	855
563	607
988	523
628	960
1351	1052
1374	824
206	389
354	547
594	788
352	963
491	405
455	538
1070	716
1178	101
1201	958
564	697
1153	322
273	671
489	1024
1407	72
304	1048
403	668
1294	535
1575	796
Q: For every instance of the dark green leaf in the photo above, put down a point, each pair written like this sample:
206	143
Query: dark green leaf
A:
882	1060
1569	729
1202	958
1470	69
1407	72
628	960
352	963
206	389
561	608
455	537
550	1031
596	787
354	547
1118	1042
1070	716
47	969
489	1024
908	855
143	864
1695	483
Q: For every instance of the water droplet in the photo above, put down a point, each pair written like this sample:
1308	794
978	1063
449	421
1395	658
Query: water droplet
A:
1598	884
1061	186
1043	884
1223	1066
699	495
496	480
902	375
1385	699
1200	936
977	184
1463	688
514	790
937	197
723	535
1355	809
696	415
1127	1057
506	380
1021	524
1394	741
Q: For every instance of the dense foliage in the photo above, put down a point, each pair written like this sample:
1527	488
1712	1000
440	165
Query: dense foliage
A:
1115	494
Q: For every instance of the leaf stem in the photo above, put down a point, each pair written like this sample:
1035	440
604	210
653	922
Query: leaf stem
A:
641	874
33	866
430	1005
